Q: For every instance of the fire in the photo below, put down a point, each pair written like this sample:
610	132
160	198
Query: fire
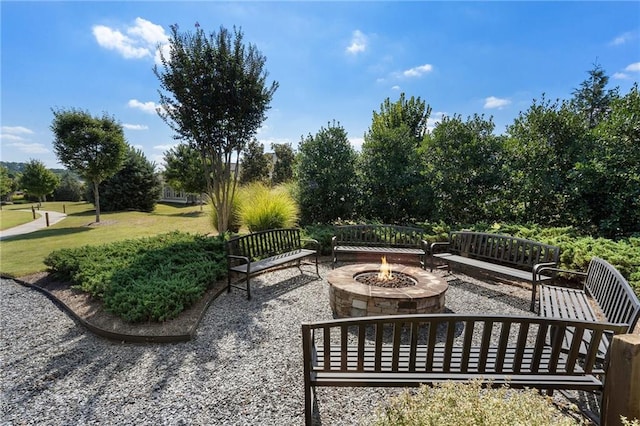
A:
385	273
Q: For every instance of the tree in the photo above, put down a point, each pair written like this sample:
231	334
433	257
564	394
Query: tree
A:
464	166
38	181
93	147
544	143
184	170
255	165
70	188
389	168
135	186
6	183
326	176
283	167
214	96
591	100
608	182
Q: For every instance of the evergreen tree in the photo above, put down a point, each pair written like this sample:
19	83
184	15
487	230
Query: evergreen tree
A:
283	167
592	100
135	186
255	165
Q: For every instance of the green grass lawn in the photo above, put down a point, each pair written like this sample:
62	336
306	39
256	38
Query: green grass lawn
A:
12	217
23	254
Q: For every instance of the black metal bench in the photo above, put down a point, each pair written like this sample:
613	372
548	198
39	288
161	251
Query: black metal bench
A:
604	296
404	351
379	239
257	252
499	254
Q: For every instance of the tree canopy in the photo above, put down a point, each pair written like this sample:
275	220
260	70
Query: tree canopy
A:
38	181
184	170
255	165
326	175
93	147
214	95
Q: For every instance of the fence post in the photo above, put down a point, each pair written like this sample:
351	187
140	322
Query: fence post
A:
46	216
64	209
33	212
622	383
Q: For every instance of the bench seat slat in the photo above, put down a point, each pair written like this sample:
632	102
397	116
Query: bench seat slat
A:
270	262
491	267
587	383
374	249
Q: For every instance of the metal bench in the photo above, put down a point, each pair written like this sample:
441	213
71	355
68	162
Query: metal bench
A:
604	296
499	254
404	351
257	252
379	239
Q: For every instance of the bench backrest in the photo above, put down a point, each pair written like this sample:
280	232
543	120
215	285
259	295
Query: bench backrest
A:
612	292
379	235
504	249
263	244
449	343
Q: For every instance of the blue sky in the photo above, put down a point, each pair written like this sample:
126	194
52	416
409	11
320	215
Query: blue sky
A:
333	61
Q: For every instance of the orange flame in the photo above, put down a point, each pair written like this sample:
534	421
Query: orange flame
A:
385	273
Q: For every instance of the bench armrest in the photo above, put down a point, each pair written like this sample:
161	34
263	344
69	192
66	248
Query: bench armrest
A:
438	244
541	268
311	241
334	240
244	258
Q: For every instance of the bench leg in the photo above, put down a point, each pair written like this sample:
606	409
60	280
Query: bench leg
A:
308	405
248	288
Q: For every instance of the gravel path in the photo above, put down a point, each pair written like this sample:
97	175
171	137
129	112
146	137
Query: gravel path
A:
243	368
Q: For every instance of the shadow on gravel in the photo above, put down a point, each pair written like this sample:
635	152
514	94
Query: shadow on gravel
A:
513	301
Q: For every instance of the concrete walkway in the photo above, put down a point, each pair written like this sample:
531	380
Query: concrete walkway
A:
34	225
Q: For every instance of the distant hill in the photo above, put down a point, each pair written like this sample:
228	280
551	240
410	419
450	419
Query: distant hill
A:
15	168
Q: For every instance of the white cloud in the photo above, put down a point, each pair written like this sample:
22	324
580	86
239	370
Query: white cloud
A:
396	87
10	137
635	67
148	107
135	126
418	71
623	38
434	119
17	130
137	41
356	143
165	147
30	148
358	43
493	102
621	76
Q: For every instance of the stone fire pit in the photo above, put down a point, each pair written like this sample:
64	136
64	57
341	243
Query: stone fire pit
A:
350	298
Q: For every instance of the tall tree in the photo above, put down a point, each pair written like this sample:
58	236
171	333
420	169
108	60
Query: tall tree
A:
326	176
283	167
608	182
184	170
392	188
544	143
38	181
463	163
255	165
214	95
6	184
592	100
93	147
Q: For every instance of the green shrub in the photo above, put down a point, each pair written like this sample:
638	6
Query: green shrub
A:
149	279
462	404
262	207
323	234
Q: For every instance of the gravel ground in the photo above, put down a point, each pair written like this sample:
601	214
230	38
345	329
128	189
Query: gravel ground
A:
244	366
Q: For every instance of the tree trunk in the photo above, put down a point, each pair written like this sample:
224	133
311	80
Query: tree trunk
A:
96	196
